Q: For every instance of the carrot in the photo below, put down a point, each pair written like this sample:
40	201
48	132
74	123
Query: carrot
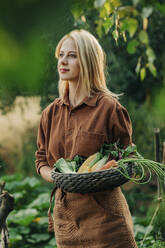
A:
109	164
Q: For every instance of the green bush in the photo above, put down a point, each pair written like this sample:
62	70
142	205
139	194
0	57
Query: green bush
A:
28	222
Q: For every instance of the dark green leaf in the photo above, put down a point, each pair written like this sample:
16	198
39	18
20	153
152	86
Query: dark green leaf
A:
131	47
130	149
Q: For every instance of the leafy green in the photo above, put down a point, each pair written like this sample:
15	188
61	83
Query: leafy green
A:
29	220
29	236
23	217
69	166
79	160
41	202
116	151
142	166
63	166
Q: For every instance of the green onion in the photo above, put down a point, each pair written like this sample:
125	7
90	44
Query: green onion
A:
144	166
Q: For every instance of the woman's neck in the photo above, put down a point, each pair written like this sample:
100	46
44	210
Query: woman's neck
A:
76	95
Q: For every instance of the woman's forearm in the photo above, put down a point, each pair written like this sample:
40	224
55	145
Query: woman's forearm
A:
45	172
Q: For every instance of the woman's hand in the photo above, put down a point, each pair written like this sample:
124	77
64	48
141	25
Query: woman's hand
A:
45	172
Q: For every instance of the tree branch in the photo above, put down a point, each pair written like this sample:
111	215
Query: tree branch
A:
6	205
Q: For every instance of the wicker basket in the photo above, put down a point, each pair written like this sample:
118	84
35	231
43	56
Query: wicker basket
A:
91	182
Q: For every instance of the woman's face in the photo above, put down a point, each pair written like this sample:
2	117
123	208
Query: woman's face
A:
68	64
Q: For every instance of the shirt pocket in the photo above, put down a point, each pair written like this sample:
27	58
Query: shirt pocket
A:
87	143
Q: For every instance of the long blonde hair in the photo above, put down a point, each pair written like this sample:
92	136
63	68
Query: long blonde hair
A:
92	63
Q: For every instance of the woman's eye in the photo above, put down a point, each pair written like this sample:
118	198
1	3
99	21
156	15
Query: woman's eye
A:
69	55
72	55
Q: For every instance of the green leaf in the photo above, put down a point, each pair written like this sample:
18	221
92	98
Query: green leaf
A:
99	3
143	37
114	154
108	7
52	242
99	28
40	237
41	202
28	183
23	230
62	166
152	69
147	11
151	55
131	47
130	149
140	229
14	236
142	73
11	178
131	25
23	217
108	23
103	13
43	221
32	182
18	196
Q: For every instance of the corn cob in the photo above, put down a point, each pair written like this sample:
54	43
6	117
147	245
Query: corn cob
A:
99	164
89	162
97	157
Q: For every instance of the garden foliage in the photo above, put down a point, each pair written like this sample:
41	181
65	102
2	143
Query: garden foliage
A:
28	223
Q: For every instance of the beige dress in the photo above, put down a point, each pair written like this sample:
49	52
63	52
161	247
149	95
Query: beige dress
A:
99	219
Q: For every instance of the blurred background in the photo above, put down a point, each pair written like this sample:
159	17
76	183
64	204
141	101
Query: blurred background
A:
132	35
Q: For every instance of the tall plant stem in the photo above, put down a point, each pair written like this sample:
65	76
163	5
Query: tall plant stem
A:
159	188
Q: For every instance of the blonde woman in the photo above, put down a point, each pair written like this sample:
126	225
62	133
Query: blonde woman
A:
85	115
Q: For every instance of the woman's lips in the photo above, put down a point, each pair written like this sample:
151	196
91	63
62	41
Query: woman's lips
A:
64	70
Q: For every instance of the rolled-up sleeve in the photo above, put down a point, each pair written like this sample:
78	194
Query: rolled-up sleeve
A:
40	154
120	125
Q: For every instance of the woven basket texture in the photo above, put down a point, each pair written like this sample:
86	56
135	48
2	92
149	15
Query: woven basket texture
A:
91	182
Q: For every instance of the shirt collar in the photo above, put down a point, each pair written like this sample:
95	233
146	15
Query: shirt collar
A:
88	100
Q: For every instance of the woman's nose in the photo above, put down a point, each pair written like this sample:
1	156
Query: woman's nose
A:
64	61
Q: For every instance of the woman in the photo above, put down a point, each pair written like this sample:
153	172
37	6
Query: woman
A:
85	116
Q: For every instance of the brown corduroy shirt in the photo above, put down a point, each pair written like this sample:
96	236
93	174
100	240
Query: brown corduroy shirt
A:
97	220
65	131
